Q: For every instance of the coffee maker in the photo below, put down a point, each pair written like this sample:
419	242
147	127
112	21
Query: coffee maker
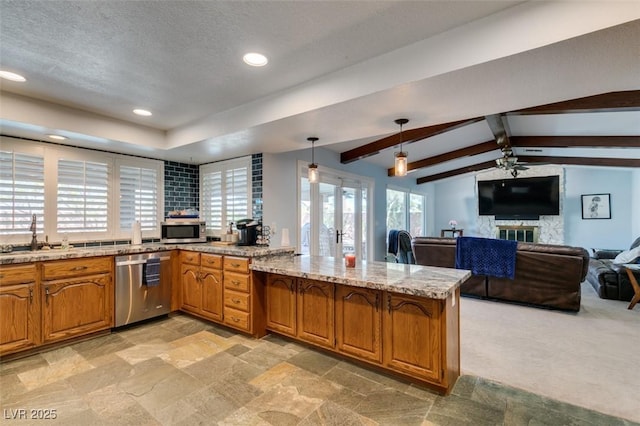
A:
247	232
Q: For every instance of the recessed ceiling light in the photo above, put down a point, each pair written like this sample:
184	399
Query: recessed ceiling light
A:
7	75
57	137
142	112
255	59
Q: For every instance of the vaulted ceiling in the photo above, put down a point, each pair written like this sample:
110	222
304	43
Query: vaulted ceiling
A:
560	78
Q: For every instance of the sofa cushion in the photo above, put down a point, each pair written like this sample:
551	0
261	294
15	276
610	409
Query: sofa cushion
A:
628	256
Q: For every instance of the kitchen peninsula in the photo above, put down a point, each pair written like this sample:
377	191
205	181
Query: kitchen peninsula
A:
400	318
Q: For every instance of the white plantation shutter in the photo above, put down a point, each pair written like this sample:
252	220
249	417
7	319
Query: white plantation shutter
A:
212	199
139	197
225	192
237	194
21	192
83	195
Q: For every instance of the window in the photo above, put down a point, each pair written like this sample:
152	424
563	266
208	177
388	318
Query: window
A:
83	196
21	192
225	193
405	211
87	194
138	194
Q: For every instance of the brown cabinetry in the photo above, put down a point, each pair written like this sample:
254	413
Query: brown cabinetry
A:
201	283
315	312
281	304
413	336
237	293
76	297
359	322
19	308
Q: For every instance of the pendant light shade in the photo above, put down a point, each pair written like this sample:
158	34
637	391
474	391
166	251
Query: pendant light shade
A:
314	175
401	157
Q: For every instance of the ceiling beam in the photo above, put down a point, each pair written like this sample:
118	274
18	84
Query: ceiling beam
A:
606	102
580	161
576	141
447	156
468	169
408	136
535	159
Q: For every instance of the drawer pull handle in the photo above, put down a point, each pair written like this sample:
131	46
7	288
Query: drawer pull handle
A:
79	268
1	276
236	301
235	265
234	282
235	319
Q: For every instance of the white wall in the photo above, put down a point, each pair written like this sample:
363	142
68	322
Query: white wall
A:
614	233
454	198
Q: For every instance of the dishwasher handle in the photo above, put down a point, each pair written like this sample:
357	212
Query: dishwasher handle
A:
138	261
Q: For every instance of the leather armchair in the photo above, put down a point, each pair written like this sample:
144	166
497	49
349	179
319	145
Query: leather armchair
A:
609	280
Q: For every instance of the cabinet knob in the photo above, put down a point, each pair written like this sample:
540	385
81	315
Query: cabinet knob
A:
236	301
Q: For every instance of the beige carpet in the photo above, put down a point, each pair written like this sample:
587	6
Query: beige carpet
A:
590	358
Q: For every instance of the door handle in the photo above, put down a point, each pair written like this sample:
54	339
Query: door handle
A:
338	235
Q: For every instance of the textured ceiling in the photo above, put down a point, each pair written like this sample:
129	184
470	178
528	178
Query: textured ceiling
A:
340	70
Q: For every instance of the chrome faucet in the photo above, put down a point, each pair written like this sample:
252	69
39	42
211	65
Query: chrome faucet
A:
34	238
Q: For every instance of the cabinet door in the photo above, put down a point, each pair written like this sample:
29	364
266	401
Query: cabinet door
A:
19	318
211	285
412	336
359	322
281	304
77	306
315	309
191	288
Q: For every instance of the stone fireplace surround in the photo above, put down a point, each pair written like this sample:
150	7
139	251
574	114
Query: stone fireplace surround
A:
550	228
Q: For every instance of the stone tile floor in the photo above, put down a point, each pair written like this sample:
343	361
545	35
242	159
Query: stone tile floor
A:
183	371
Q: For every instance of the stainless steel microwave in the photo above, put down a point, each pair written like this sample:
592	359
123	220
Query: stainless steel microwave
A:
175	231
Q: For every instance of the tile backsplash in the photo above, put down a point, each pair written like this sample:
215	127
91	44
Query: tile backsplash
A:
181	186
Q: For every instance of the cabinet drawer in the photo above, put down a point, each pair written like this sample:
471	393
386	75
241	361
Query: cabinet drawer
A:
19	274
240	301
211	261
190	257
237	319
237	282
236	264
72	268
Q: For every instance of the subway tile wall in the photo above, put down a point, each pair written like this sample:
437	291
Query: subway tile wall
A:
181	186
256	185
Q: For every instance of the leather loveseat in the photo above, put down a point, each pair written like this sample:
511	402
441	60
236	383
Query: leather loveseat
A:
546	275
609	280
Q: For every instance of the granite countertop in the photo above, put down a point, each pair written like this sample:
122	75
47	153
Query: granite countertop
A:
125	249
417	280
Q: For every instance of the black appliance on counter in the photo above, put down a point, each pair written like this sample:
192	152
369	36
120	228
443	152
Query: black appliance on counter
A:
247	232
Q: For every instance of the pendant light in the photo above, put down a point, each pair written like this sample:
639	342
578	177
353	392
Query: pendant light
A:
314	175
401	157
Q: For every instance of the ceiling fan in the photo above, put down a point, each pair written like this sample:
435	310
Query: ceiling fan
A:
508	161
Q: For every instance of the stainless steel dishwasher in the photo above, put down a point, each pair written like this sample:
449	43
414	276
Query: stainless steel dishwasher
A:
134	300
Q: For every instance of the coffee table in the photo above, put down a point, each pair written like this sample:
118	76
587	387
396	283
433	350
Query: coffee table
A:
634	283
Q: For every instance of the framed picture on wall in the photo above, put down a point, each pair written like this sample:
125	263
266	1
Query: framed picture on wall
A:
596	206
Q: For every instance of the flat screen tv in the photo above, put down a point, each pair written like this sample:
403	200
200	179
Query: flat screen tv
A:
520	198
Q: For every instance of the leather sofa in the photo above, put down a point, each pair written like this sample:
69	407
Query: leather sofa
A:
546	275
609	280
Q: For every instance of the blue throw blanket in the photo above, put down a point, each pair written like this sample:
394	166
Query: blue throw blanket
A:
151	273
487	256
393	241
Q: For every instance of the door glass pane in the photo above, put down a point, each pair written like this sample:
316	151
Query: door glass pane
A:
328	218
305	216
364	224
348	220
396	210
416	215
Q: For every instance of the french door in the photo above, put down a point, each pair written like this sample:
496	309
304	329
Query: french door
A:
333	215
